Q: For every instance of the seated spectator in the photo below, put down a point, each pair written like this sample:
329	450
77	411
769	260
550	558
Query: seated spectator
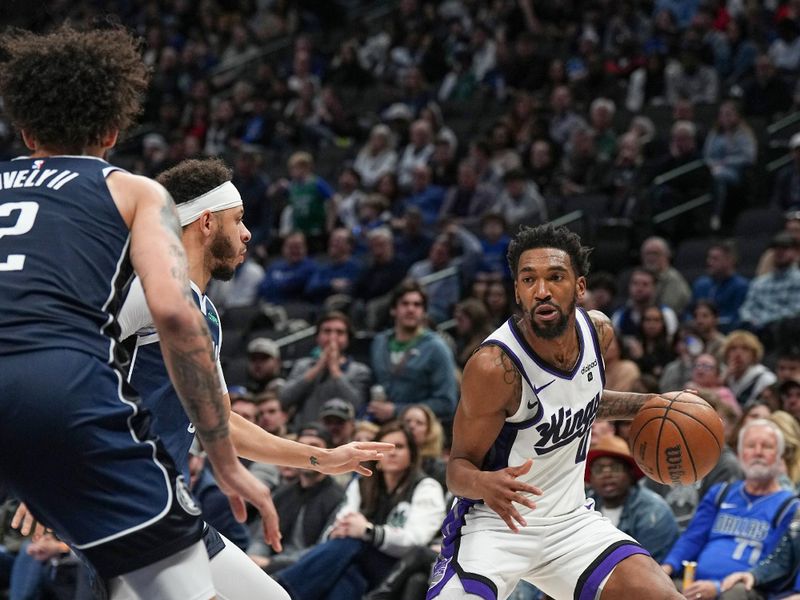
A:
788	364
271	416
622	374
730	148
603	288
366	431
413	242
565	121
383	517
706	376
442	293
429	437
242	403
339	420
494	245
308	200
612	475
424	195
580	171
468	199
377	157
443	162
214	504
499	302
791	225
472	327
686	346
623	180
411	362
688	77
671	287
601	119
343	210
327	373
338	273
774	296
263	365
790	427
504	155
651	348
641	294
417	152
789	393
542	163
287	277
786	190
722	284
668	189
765	93
744	374
383	272
520	203
736	524
305	507
373	214
704	324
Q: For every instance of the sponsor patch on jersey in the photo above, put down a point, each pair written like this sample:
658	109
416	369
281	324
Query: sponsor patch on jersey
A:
185	498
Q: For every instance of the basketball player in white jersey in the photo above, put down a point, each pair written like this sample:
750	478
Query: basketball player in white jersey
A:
528	399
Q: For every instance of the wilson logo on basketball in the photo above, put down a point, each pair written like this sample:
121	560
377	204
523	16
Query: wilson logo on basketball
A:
674	459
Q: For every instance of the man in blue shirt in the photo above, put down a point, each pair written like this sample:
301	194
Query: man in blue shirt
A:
722	284
737	524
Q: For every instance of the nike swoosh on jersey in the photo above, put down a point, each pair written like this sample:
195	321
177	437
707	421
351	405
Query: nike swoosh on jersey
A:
537	390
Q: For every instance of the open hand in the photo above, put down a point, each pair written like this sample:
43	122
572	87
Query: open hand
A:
349	457
26	522
501	489
741	577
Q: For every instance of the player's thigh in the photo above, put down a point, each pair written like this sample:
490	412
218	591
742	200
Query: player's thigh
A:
639	576
186	575
237	577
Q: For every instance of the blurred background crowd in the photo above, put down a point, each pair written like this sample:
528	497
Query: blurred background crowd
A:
386	151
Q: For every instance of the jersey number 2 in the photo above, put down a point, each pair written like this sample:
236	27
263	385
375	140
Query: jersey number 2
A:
25	219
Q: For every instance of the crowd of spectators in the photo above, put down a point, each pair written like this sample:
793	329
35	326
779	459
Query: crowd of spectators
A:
386	152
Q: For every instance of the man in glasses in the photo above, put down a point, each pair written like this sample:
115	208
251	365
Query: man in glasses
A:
612	474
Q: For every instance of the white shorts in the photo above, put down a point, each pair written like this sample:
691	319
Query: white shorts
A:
567	557
185	575
232	575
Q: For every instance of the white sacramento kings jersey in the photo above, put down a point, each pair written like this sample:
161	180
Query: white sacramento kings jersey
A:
553	423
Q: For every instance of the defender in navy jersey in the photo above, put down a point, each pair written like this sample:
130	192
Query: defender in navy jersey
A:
215	239
74	440
529	397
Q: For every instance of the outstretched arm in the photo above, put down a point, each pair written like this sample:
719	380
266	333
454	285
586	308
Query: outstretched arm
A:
614	405
254	443
490	389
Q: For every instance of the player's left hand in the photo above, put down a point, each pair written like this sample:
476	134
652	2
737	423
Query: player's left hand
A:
701	590
349	457
26	522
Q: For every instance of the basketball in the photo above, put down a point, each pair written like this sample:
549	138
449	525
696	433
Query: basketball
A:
676	438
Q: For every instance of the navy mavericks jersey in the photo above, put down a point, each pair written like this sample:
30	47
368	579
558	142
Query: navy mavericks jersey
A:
63	256
148	372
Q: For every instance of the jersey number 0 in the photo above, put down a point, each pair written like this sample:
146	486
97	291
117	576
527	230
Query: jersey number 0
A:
25	219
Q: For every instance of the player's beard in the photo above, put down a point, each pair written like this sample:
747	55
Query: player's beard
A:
223	256
555	329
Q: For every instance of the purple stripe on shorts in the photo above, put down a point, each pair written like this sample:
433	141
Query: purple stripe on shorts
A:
602	570
473	586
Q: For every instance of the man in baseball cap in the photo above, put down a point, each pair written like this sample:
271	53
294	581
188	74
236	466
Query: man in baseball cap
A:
338	417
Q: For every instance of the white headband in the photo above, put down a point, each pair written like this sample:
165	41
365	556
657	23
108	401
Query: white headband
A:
220	198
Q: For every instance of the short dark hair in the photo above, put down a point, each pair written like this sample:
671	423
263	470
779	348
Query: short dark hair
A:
192	178
335	315
550	236
67	88
708	304
406	287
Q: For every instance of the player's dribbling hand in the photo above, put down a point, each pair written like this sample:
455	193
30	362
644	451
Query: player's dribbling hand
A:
26	522
501	489
742	577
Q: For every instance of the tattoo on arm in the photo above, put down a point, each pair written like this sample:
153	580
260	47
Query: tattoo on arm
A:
313	460
196	384
511	375
620	405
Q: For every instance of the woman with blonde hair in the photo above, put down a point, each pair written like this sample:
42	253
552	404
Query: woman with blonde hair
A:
791	450
429	436
745	375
